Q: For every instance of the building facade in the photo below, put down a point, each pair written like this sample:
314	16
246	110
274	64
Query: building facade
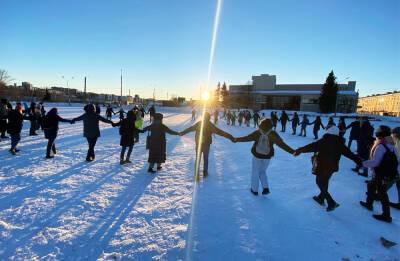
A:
382	104
265	93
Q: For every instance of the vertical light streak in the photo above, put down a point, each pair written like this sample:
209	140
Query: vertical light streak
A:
189	246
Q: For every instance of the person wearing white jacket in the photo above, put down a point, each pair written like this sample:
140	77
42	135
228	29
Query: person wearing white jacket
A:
383	162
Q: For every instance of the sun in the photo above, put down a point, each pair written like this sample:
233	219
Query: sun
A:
205	96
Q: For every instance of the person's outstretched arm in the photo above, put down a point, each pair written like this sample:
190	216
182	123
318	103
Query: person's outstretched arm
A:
251	137
64	120
101	118
350	155
190	129
222	133
312	147
147	128
169	131
281	144
78	118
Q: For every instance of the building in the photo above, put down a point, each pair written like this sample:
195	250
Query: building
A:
264	93
382	104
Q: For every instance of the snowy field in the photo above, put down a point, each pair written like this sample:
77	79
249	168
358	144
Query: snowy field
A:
68	209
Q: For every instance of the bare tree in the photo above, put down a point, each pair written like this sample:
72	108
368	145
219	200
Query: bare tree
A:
5	78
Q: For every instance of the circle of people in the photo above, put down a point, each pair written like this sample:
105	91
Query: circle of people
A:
379	155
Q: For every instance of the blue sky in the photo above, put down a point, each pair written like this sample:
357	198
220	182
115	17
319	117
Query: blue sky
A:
165	44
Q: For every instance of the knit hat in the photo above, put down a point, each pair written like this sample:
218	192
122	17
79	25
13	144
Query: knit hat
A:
396	131
333	130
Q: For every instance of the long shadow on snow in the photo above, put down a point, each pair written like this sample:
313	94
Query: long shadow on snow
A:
61	142
102	232
61	206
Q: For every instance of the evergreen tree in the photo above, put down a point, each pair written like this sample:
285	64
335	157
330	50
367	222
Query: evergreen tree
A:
224	94
327	100
217	93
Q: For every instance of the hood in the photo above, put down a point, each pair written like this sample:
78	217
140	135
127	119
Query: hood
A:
333	131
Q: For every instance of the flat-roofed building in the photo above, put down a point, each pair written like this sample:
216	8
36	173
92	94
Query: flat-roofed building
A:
382	104
265	93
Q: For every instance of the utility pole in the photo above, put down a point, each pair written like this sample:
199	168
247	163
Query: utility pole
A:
120	99
84	90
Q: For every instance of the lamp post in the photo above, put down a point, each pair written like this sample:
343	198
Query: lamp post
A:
67	81
336	101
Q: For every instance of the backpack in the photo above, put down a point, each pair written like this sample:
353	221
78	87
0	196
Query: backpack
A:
263	146
387	168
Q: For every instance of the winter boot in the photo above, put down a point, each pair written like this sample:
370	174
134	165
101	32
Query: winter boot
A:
366	205
319	200
384	218
265	191
150	170
395	205
332	207
254	192
159	167
128	161
205	174
12	151
122	162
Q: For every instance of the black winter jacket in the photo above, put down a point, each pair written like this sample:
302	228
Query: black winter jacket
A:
330	148
50	125
15	121
91	124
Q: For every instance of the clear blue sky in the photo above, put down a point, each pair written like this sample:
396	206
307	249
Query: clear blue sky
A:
165	44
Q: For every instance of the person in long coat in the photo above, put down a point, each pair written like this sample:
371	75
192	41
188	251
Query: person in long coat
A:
128	132
14	126
283	119
91	130
50	128
364	144
157	143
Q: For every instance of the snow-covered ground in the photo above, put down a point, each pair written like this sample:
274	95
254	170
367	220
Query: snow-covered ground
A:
67	209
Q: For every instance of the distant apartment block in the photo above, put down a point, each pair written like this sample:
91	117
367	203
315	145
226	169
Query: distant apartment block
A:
382	104
265	93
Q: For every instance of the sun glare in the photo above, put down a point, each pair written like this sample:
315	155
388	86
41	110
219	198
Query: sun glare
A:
205	96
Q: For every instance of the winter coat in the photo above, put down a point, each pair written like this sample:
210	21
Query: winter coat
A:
15	121
377	155
330	148
284	118
157	141
317	125
274	119
304	123
91	124
273	137
295	121
355	130
208	130
50	125
127	131
256	117
365	140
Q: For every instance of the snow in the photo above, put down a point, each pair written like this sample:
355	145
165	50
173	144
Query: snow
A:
67	209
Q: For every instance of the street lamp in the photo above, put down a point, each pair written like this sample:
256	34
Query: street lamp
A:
67	80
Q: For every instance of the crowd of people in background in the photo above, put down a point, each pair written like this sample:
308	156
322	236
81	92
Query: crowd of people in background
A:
377	151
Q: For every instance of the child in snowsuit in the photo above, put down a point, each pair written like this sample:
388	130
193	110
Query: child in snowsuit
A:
157	143
383	162
303	124
263	150
317	126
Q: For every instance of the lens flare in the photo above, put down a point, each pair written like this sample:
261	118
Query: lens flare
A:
205	96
